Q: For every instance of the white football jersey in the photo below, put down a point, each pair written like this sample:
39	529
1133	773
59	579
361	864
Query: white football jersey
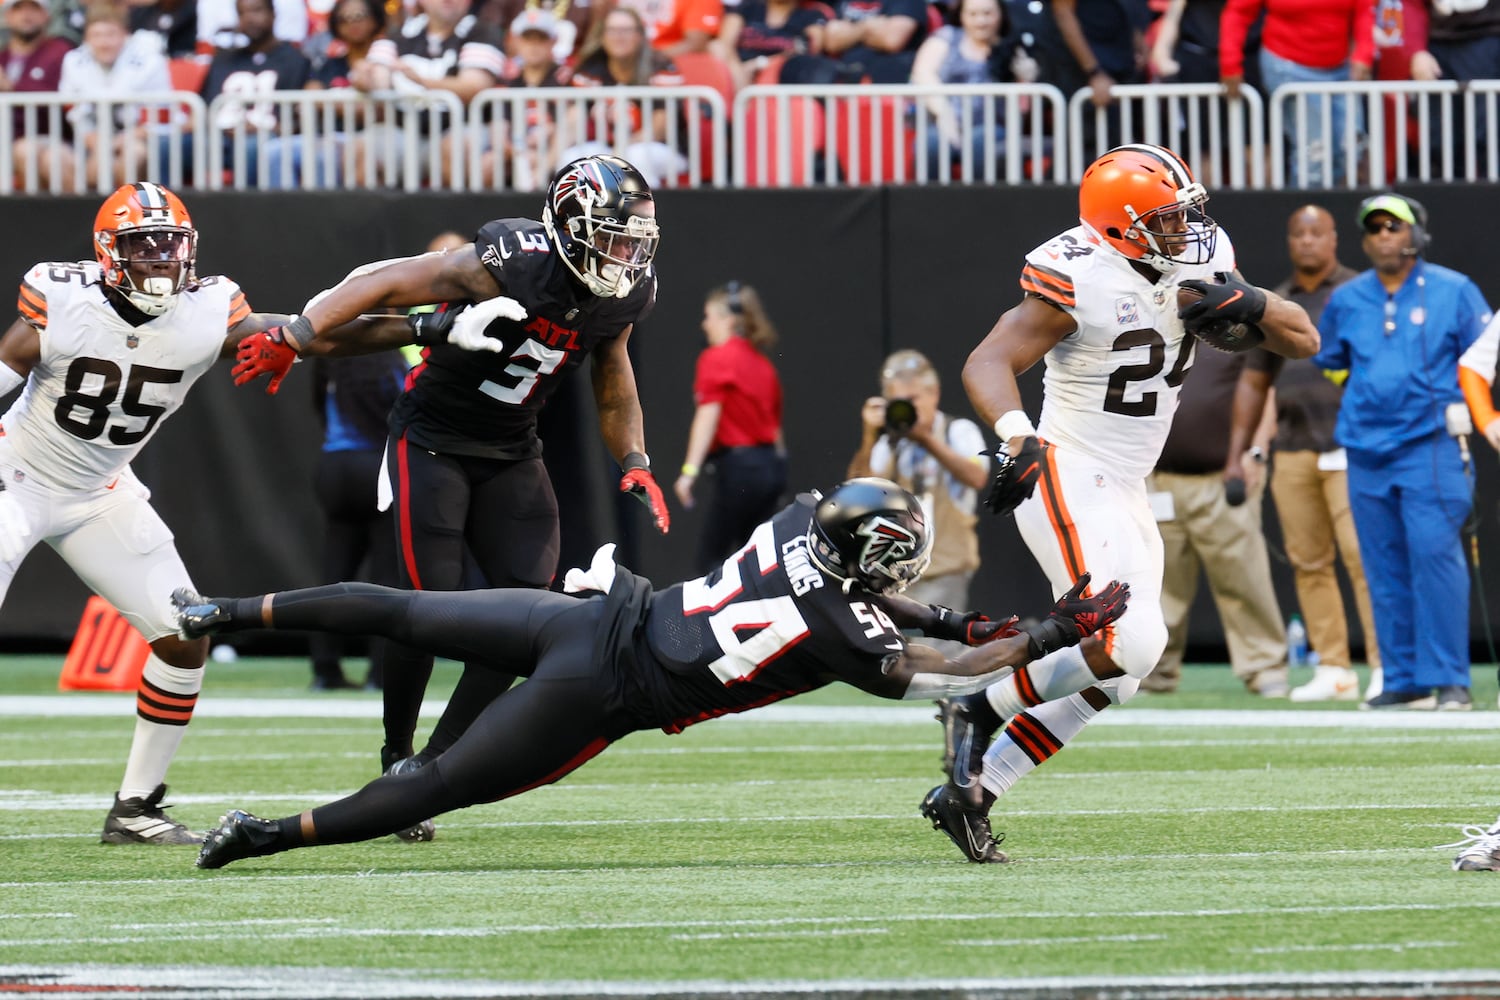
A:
103	386
1111	385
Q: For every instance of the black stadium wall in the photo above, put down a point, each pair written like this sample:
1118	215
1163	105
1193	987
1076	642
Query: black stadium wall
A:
847	275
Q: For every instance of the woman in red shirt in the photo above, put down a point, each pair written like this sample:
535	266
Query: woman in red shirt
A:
736	430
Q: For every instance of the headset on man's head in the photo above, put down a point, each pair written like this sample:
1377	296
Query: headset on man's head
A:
1421	239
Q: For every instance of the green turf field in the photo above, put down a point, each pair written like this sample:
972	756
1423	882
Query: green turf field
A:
1171	840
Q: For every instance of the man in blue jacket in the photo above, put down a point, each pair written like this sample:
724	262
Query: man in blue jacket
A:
1399	329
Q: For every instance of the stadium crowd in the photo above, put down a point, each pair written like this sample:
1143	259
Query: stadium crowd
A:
442	49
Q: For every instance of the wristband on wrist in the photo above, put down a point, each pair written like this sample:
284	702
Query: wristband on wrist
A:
689	469
1097	71
298	333
1014	423
636	460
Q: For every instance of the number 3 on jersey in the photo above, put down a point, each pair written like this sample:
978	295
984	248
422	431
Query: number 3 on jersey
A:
530	362
778	622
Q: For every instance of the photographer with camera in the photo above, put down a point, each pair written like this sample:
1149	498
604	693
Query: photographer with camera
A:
940	458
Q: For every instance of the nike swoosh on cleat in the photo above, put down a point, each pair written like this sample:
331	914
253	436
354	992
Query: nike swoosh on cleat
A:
1232	299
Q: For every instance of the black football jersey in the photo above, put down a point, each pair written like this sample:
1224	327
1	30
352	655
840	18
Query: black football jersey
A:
764	626
481	403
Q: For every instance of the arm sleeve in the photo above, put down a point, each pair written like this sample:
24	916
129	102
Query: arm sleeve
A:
928	687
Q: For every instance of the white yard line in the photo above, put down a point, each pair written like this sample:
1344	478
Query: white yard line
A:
88	705
381	984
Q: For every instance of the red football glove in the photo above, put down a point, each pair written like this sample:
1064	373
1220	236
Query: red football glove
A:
639	481
968	627
264	353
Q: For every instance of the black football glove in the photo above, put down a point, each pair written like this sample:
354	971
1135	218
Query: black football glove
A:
1016	478
434	325
1076	617
1227	298
968	627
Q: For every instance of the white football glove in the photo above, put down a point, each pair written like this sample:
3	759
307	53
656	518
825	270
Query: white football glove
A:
469	326
15	529
600	575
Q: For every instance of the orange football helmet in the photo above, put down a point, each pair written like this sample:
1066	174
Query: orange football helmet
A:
1143	201
146	245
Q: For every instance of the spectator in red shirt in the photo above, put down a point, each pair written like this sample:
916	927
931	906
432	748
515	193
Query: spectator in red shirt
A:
1304	41
33	63
678	26
736	431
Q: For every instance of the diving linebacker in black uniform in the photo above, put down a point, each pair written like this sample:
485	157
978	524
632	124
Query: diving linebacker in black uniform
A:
813	597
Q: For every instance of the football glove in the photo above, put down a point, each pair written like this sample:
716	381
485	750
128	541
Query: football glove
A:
639	482
968	627
433	324
267	352
1076	617
1016	478
470	324
15	527
1227	298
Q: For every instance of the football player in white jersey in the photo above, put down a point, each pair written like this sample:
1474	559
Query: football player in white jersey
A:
1100	306
107	348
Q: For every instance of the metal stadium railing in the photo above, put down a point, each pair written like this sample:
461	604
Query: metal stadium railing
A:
776	136
519	137
794	136
43	148
1403	130
1222	140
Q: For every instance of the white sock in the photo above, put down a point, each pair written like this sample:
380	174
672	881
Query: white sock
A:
1032	738
164	704
1054	676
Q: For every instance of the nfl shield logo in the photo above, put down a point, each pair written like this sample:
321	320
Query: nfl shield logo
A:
131	341
1159	296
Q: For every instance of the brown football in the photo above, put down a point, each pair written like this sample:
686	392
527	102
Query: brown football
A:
1186	297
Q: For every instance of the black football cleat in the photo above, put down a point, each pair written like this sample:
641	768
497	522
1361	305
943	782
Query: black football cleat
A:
964	824
239	835
197	615
425	830
143	821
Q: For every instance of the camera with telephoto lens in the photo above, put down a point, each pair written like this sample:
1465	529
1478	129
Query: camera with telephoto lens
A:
900	416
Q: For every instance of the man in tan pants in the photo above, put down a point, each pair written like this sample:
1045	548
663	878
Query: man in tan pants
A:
1206	495
1309	482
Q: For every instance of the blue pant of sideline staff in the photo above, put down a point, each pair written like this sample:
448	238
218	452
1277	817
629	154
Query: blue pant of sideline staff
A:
1409	510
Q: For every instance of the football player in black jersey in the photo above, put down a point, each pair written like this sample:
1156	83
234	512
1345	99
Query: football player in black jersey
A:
813	597
463	459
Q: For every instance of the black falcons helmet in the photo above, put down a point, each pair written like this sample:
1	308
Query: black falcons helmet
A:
872	533
601	217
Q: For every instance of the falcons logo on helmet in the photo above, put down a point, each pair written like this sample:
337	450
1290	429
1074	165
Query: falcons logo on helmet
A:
583	182
885	542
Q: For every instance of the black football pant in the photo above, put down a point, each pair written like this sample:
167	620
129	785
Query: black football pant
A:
461	522
353	531
563	715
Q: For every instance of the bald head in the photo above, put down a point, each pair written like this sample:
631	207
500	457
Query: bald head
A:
1312	242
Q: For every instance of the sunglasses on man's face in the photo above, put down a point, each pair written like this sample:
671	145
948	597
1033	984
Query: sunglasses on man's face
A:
1375	226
